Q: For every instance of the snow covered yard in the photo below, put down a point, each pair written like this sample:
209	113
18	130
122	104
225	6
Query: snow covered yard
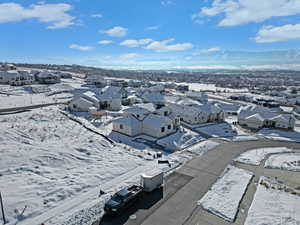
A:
256	156
225	130
287	161
180	140
274	204
280	135
47	159
225	196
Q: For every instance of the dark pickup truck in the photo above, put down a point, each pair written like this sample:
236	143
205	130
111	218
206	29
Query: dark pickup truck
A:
122	199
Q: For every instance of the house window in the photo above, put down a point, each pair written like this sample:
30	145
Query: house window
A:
121	126
163	129
138	116
166	113
169	127
181	119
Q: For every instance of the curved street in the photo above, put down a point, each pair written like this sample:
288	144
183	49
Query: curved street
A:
183	188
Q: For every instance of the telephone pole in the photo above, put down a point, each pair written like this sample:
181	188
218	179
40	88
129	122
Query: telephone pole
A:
2	209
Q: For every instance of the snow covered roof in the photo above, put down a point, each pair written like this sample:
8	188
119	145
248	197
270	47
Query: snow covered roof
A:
149	106
90	95
82	101
228	107
188	101
209	108
129	120
110	92
256	117
156	120
137	110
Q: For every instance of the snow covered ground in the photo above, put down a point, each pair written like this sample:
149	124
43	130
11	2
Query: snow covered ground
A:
280	135
227	131
180	140
274	204
55	167
256	156
174	142
226	194
47	159
287	161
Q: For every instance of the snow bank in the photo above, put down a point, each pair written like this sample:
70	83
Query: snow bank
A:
273	204
256	156
49	161
280	135
180	140
288	161
225	196
225	130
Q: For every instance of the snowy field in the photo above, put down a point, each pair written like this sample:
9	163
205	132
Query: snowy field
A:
12	96
280	135
53	167
225	130
47	159
256	156
274	204
287	161
225	196
210	87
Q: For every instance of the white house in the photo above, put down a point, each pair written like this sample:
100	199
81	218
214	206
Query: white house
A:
97	80
83	102
197	95
194	114
128	125
152	125
16	78
157	126
111	97
255	121
46	77
259	117
138	112
80	104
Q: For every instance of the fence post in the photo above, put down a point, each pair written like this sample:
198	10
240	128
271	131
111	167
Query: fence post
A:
2	209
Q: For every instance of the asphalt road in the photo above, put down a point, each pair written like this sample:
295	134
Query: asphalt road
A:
177	204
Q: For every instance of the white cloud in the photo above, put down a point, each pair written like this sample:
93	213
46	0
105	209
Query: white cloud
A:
136	43
165	46
54	14
166	3
105	42
237	12
269	34
207	51
81	47
116	31
128	56
98	15
152	28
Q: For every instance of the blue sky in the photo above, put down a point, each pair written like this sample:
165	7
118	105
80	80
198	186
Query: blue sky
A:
152	34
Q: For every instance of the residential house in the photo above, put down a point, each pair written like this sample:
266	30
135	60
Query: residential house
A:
198	95
111	97
152	125
97	80
16	78
261	117
46	77
84	102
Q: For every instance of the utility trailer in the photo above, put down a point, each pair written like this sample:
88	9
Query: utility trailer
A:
129	195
